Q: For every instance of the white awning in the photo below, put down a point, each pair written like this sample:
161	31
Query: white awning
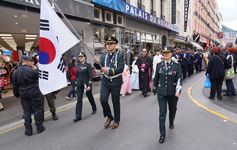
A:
179	41
196	45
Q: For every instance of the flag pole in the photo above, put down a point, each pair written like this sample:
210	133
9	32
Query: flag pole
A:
74	30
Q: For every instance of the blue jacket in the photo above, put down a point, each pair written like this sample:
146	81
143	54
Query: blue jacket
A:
183	58
190	57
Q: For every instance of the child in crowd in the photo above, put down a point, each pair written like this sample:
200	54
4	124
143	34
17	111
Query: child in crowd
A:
135	75
126	86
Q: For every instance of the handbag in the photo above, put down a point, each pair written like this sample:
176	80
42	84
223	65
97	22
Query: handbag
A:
230	73
207	83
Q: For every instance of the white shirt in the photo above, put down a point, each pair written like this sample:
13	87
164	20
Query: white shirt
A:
134	67
156	60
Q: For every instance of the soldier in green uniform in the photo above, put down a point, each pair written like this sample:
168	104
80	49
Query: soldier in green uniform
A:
83	85
112	65
167	84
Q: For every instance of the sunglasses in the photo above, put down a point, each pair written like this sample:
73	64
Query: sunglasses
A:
144	51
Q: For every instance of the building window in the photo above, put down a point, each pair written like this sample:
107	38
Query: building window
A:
140	6
152	8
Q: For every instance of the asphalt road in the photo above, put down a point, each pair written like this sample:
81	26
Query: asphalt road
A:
196	128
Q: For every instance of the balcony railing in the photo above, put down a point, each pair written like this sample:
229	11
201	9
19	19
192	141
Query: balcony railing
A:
153	12
140	6
162	17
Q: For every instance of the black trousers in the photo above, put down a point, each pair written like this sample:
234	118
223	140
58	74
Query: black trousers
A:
32	104
184	69
80	91
104	97
216	85
190	69
196	67
200	66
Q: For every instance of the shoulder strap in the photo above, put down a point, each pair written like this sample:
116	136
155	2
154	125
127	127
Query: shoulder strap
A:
232	59
220	59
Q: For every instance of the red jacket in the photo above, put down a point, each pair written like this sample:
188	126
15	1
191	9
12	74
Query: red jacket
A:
73	72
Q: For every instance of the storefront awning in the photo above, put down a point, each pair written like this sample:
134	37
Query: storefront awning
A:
179	41
196	45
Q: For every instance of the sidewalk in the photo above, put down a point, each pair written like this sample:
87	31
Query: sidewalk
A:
228	102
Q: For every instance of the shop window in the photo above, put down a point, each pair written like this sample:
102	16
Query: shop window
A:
100	33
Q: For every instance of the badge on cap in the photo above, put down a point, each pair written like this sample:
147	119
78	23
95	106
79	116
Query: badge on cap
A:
165	48
109	38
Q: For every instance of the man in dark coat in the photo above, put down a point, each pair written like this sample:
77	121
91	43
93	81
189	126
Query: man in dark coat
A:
144	64
24	81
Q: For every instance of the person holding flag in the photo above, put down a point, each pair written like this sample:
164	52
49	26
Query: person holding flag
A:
112	65
84	80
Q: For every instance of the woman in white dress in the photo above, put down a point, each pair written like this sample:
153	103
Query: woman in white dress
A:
134	80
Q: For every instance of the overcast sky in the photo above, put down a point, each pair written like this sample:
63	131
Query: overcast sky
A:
228	8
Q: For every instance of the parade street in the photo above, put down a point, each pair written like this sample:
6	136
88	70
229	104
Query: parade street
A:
199	125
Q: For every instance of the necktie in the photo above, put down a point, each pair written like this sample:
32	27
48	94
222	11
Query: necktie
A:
167	65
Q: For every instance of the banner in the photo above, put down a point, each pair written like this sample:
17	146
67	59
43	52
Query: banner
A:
128	9
173	21
186	8
55	39
220	35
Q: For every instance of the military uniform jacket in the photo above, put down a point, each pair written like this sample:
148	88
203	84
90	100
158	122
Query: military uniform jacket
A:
183	59
190	57
165	81
116	66
84	74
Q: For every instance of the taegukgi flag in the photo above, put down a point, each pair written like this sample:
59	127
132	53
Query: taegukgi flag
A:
55	39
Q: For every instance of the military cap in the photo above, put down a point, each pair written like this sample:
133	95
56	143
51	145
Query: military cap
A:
168	49
188	49
111	39
26	58
149	52
81	54
157	50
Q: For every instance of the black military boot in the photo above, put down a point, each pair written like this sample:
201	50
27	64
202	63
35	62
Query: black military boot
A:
55	117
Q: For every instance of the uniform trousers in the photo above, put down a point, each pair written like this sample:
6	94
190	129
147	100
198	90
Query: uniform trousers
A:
31	104
190	68
200	66
172	105
104	97
184	69
80	91
51	102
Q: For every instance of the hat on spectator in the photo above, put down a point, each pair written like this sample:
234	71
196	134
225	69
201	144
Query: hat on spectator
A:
27	58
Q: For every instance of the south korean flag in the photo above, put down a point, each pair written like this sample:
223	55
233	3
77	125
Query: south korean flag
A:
55	39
